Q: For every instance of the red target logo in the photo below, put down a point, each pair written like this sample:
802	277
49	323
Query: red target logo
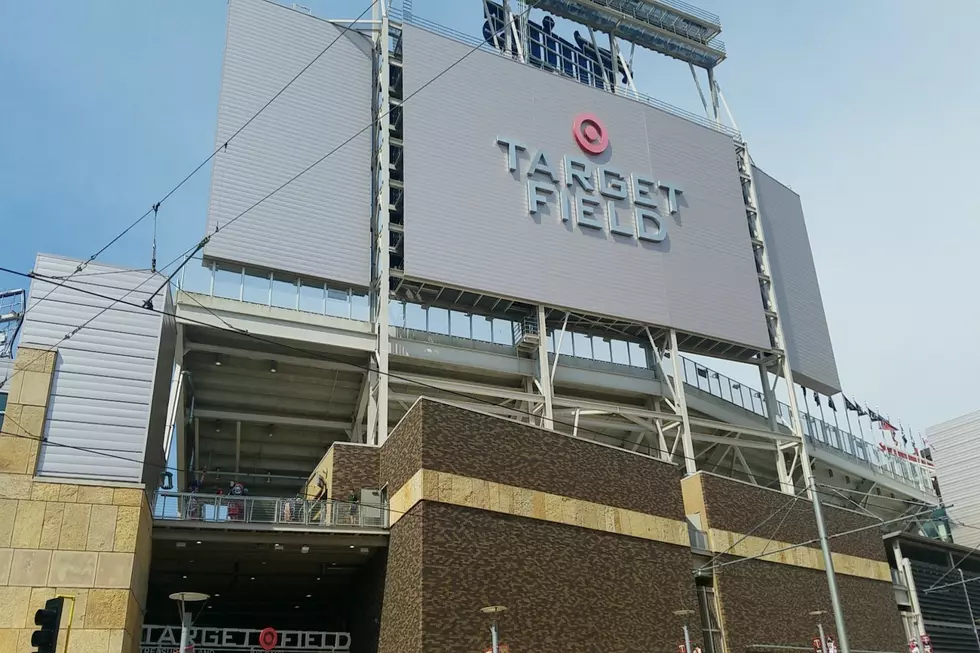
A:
268	638
590	133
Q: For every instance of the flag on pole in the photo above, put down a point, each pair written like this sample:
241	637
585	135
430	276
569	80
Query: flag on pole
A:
886	425
873	416
830	402
850	405
816	398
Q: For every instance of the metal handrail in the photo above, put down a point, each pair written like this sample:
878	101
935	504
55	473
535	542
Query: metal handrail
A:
475	42
231	509
816	430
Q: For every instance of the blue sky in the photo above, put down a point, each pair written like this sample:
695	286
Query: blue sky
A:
867	109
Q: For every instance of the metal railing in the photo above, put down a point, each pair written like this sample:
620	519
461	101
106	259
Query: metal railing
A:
819	432
230	509
480	43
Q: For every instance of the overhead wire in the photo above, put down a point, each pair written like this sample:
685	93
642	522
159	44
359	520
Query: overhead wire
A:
326	357
155	207
204	241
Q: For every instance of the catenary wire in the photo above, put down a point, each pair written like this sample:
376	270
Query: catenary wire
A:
786	506
323	356
74	331
204	241
139	461
154	209
396	376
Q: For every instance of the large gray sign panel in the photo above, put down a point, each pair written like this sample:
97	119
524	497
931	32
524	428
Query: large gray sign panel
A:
319	225
811	354
501	198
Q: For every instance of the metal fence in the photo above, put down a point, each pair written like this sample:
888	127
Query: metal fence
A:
819	432
230	509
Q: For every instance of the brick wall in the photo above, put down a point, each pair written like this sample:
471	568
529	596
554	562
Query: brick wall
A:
401	454
401	612
354	467
566	588
739	507
445	438
768	603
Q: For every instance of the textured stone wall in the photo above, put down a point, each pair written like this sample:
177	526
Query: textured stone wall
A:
444	438
354	467
573	537
401	454
566	588
88	541
740	507
768	603
401	612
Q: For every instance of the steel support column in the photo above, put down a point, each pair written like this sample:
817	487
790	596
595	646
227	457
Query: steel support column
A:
677	389
377	428
778	340
713	88
543	373
772	411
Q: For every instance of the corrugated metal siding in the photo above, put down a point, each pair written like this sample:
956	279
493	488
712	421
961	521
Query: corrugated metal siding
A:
955	447
319	225
808	344
466	216
947	612
154	455
104	376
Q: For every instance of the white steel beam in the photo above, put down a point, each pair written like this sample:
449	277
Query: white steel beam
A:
772	408
677	388
464	387
561	339
380	272
357	423
256	418
251	354
544	372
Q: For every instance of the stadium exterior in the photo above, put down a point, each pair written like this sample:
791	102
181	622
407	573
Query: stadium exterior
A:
460	362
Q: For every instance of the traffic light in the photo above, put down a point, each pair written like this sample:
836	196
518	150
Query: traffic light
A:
49	619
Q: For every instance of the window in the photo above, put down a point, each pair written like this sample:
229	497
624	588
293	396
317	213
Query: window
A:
710	628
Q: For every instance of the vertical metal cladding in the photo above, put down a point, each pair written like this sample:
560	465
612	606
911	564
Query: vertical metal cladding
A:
808	345
955	447
107	375
319	225
468	222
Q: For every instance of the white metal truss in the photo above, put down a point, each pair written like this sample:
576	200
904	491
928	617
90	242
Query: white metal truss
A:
665	346
377	379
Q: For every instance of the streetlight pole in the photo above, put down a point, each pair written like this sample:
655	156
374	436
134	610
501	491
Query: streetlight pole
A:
494	610
685	614
183	598
823	637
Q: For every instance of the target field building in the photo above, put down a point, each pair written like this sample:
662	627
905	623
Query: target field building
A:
462	361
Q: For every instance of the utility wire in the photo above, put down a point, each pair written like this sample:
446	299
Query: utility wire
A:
204	241
155	208
852	531
714	567
788	504
326	357
73	332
